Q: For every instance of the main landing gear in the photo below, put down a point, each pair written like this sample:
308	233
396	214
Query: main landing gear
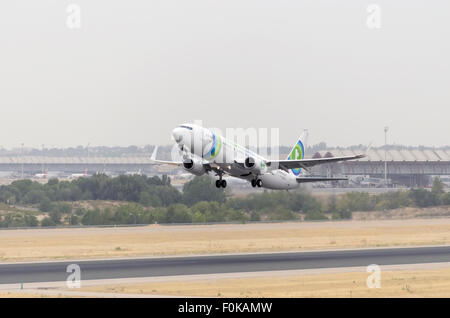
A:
257	183
221	183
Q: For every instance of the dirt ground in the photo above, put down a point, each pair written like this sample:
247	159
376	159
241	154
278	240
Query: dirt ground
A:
156	240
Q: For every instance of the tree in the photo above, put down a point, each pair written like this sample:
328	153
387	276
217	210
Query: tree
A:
73	219
52	182
149	199
332	204
30	220
422	198
202	189
254	216
446	198
437	190
62	207
178	213
45	205
55	215
47	222
93	217
168	195
24	186
356	201
438	186
34	196
129	214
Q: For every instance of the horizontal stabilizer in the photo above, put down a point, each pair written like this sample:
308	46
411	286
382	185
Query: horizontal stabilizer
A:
318	179
307	163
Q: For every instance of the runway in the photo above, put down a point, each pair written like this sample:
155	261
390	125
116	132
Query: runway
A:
194	265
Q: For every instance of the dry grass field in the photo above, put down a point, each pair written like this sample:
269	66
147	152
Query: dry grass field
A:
365	231
426	280
396	283
21	295
155	240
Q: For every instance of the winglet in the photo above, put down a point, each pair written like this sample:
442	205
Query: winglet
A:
366	153
369	147
153	157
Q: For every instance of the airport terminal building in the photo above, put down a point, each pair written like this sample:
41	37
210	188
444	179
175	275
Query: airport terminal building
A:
409	167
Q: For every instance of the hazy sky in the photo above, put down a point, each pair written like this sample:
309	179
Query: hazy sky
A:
135	69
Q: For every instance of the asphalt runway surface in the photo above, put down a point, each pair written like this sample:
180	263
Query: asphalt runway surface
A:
195	265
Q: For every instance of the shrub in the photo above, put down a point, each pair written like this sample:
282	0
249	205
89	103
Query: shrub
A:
282	213
315	216
47	222
445	198
422	198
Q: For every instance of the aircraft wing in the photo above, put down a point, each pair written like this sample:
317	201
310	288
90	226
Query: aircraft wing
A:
153	158
173	163
307	163
207	166
318	179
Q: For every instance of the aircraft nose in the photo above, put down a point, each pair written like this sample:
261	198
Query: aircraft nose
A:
177	134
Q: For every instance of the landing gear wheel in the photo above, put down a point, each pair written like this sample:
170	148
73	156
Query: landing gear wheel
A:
220	183
259	183
253	183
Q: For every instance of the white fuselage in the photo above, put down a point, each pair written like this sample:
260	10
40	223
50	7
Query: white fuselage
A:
78	175
201	145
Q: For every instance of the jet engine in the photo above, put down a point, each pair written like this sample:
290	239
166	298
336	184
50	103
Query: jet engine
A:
194	166
253	164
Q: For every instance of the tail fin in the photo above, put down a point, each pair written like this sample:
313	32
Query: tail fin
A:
298	151
85	172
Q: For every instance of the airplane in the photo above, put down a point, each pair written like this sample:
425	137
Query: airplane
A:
41	175
134	173
205	152
78	175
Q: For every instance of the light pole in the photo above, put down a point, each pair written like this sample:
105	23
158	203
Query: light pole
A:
42	163
87	150
386	128
21	154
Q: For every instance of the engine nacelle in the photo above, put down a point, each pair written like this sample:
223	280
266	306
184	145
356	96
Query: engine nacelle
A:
253	164
278	180
194	166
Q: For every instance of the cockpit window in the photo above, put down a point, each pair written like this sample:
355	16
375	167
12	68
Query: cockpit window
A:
187	127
